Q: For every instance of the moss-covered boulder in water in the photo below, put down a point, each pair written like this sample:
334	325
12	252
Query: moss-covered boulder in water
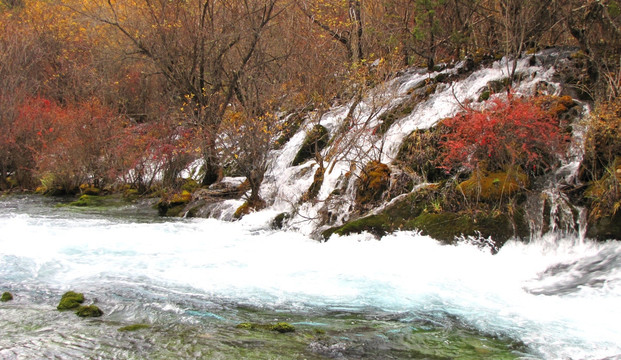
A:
133	327
427	212
173	205
6	296
70	300
87	200
89	311
281	327
315	141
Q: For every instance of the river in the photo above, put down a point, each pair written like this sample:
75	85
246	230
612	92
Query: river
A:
192	281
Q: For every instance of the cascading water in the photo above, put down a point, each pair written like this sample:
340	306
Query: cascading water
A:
406	296
192	281
347	154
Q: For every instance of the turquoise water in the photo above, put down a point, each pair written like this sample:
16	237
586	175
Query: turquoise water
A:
193	281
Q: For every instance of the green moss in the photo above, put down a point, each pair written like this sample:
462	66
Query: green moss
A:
134	327
377	225
6	296
429	212
87	201
244	209
173	205
484	96
70	300
448	226
282	327
391	219
315	141
190	185
89	311
444	226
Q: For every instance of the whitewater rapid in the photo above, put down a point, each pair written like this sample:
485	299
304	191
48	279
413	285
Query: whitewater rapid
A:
558	297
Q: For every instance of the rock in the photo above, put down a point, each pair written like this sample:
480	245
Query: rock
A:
279	220
134	327
605	228
70	300
493	186
89	311
374	181
6	296
281	327
315	141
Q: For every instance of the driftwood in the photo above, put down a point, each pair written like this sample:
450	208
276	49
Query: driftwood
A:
221	191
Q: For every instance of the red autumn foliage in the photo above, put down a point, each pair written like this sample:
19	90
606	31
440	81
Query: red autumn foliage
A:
148	150
511	132
70	144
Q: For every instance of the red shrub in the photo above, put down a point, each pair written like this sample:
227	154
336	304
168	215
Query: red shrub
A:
511	132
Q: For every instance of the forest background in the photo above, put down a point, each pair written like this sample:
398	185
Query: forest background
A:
128	94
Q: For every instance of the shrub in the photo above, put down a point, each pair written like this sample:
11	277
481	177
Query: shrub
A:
602	145
374	180
512	132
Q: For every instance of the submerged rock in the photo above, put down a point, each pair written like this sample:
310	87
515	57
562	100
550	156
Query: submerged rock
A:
70	300
6	296
281	327
134	327
89	311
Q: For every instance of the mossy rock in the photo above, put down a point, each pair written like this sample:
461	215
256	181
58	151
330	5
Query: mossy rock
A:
279	220
390	219
70	300
173	205
605	228
6	296
313	189
87	201
423	211
89	311
281	327
448	226
388	118
133	327
374	181
315	141
290	127
244	209
484	96
493	186
190	185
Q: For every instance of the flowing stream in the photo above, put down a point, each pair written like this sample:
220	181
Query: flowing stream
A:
193	281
